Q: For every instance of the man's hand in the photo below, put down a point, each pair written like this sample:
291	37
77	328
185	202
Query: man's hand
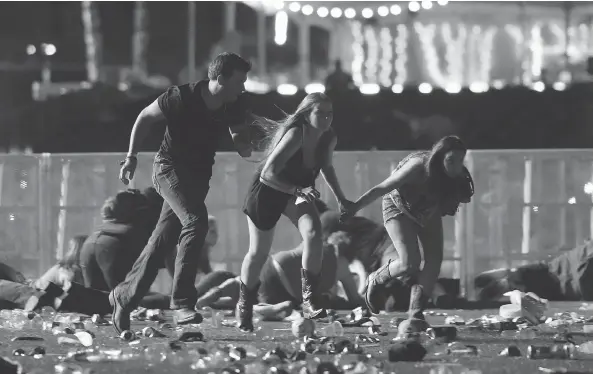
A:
242	141
126	173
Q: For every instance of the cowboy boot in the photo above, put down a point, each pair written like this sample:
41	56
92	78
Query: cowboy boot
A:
244	311
416	322
311	300
374	294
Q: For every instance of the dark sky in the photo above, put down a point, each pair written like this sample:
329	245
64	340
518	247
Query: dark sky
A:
59	23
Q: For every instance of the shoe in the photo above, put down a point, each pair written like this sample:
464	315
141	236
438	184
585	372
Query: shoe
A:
244	311
186	316
311	300
411	326
120	317
374	294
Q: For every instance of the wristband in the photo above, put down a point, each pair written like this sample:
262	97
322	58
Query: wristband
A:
130	157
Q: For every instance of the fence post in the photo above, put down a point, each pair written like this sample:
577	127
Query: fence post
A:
468	260
44	217
527	199
63	210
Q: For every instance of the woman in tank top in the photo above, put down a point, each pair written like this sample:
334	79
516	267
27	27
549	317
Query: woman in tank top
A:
297	149
423	188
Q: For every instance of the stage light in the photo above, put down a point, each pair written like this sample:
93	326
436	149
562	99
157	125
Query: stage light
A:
287	89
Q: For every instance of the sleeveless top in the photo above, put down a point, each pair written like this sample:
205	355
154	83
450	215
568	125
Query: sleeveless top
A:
290	263
415	200
296	172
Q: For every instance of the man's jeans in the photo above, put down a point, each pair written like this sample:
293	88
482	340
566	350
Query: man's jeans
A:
184	217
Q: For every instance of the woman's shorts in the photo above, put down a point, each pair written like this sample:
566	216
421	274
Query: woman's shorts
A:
272	290
264	205
392	205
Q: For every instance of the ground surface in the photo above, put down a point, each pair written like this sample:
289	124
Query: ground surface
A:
487	361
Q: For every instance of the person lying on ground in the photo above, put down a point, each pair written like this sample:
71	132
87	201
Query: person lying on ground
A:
567	277
281	282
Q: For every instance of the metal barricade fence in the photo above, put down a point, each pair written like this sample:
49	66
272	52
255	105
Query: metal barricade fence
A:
529	205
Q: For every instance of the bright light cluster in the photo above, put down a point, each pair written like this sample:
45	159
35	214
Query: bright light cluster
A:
455	52
401	55
383	10
370	65
357	52
426	35
386	57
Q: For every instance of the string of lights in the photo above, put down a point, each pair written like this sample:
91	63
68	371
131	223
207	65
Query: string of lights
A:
380	53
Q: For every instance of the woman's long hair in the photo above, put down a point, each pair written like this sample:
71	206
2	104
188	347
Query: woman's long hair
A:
71	260
273	131
439	182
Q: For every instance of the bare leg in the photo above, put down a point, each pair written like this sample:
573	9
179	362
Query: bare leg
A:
431	238
306	218
260	243
404	235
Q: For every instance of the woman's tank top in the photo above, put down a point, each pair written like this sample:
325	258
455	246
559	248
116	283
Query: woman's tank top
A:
415	200
295	170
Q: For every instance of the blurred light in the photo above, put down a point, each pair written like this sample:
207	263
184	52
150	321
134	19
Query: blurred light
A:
49	49
357	53
442	2
322	12
11	216
314	87
565	76
397	88
281	28
23	184
367	13
287	89
86	85
559	86
588	188
535	208
369	89
256	87
539	86
453	88
279	5
336	12
425	88
122	86
31	49
383	11
294	7
478	87
572	200
395	10
386	61
401	54
413	6
427	4
307	10
350	13
498	84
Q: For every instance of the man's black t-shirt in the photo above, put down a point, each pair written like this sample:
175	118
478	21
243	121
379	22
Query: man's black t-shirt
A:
193	131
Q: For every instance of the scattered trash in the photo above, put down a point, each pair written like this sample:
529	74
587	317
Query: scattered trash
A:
510	351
